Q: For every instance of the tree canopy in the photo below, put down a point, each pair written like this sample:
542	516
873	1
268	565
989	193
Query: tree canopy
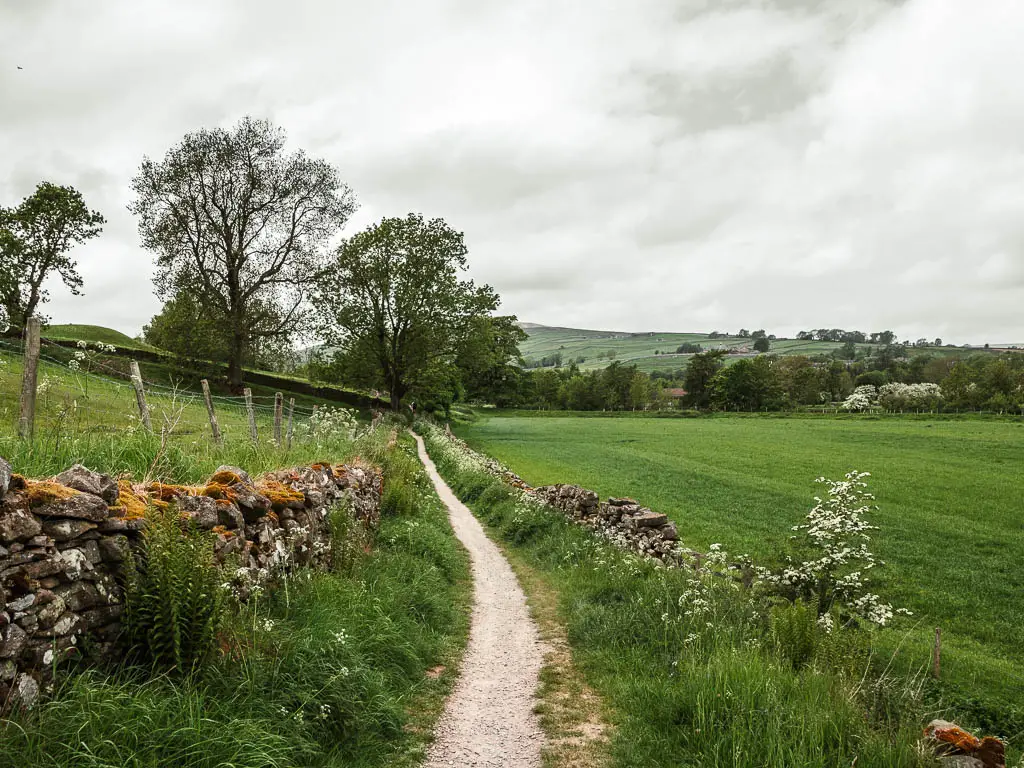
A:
35	239
244	226
394	303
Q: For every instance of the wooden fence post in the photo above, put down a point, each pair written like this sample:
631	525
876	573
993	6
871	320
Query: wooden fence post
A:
140	396
291	420
253	434
29	378
214	426
278	417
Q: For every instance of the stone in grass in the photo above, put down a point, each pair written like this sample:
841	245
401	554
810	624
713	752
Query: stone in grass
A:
25	691
956	748
85	480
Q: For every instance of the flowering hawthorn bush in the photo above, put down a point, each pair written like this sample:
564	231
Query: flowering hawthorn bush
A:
862	398
898	397
836	538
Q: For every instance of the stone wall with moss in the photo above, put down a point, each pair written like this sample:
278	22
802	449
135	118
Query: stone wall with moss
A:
64	542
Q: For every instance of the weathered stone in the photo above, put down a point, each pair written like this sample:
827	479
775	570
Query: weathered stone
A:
669	532
251	502
960	761
65	530
81	506
8	671
12	640
649	519
66	624
120	525
75	562
241	473
17	523
99	617
114	549
35	569
621	502
50	613
22	603
5	477
87	481
201	510
25	691
79	596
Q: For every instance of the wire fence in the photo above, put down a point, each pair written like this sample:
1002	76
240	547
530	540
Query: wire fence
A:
80	390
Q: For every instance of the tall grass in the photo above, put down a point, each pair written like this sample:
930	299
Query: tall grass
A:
328	670
692	686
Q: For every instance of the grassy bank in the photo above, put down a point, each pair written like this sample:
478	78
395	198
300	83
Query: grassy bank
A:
695	683
342	668
743	481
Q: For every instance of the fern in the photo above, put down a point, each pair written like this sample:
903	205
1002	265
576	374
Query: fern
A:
173	598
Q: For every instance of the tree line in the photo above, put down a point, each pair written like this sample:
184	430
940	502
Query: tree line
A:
251	259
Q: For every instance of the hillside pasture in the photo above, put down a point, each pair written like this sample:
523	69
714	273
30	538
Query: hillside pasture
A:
640	348
950	496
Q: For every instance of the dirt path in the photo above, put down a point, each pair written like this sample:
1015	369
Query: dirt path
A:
489	718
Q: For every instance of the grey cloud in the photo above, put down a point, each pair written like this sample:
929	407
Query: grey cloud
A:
669	165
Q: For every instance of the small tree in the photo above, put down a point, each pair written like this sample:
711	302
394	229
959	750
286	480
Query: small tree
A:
393	301
835	558
244	226
35	238
762	344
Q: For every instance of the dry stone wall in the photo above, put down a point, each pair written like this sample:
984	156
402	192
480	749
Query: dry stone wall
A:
63	543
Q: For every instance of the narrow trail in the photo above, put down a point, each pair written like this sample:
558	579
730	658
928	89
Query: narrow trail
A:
489	719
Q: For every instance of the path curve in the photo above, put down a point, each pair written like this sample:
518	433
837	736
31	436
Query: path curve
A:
489	719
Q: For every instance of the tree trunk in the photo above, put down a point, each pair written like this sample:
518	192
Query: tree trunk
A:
236	352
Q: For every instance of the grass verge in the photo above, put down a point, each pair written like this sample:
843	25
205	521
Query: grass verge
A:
329	669
691	687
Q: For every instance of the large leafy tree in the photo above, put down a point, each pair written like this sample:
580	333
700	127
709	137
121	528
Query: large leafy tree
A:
394	302
245	226
35	239
489	361
699	374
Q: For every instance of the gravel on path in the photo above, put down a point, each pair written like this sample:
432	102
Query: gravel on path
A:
489	719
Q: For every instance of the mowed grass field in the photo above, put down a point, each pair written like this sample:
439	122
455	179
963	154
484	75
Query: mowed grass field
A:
950	497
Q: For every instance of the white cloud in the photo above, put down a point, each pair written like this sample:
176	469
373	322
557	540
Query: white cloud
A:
758	163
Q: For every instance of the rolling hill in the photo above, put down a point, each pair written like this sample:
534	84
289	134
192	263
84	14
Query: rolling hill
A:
655	351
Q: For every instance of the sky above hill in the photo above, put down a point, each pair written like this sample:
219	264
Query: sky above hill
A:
654	164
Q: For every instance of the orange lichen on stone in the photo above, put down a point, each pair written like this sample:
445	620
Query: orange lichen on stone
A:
280	495
47	492
225	477
957	737
130	505
271	515
169	492
218	491
221	530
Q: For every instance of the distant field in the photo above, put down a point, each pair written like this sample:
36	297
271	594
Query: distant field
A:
951	497
640	348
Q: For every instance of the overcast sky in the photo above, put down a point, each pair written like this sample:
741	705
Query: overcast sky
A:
631	165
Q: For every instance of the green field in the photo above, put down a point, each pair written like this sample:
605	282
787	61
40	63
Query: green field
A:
640	348
951	498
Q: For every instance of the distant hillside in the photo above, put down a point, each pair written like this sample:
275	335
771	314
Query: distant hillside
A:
94	333
641	348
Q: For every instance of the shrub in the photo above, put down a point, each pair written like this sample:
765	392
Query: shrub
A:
174	600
